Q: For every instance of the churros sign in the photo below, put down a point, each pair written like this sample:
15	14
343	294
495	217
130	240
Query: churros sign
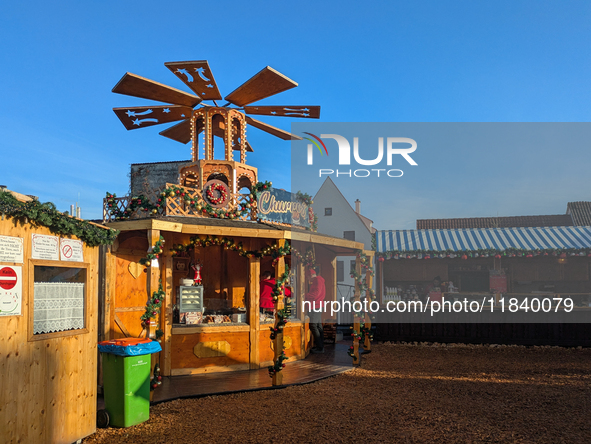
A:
281	206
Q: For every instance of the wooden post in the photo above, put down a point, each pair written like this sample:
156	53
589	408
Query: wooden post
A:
153	278
254	291
301	292
110	286
166	310
369	282
278	341
381	281
356	324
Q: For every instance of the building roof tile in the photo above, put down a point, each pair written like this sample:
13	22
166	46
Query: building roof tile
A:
580	213
554	220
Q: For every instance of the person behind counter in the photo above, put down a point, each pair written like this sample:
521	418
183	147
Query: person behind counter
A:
433	291
267	305
316	295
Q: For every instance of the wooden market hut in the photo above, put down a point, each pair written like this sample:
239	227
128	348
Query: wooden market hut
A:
231	279
49	322
516	262
212	212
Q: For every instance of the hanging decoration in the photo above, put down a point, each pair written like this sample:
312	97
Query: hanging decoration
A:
274	250
363	286
465	254
306	199
360	278
153	305
46	214
222	193
278	365
200	206
140	203
261	186
154	254
279	283
156	378
307	259
281	322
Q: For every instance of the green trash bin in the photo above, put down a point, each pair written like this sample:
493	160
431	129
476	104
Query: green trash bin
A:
126	379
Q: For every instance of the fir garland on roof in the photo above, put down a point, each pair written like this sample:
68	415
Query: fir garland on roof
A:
46	215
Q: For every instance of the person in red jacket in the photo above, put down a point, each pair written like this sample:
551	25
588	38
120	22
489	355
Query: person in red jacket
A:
267	305
316	296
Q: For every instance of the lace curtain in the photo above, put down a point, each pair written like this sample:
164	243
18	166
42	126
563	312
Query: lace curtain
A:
59	306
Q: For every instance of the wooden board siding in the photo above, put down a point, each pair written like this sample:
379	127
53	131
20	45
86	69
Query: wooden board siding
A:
48	386
293	330
182	350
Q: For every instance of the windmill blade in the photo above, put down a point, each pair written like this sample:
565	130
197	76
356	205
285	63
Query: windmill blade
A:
136	86
265	83
248	148
198	76
181	132
308	112
143	116
272	130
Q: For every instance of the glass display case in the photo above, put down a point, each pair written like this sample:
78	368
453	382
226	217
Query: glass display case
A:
190	299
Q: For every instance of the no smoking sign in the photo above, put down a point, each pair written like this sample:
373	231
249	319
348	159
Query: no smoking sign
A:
67	251
71	250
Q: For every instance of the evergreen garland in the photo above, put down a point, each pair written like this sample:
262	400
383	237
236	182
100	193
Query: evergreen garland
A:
154	254
281	322
278	365
153	305
275	251
277	291
46	215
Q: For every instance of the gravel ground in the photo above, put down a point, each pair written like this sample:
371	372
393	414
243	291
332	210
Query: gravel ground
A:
401	393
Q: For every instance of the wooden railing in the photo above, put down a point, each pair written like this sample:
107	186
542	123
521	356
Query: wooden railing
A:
176	206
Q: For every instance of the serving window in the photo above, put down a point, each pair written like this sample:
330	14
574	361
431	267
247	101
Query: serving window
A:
59	300
221	297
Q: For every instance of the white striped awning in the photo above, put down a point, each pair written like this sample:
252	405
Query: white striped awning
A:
478	239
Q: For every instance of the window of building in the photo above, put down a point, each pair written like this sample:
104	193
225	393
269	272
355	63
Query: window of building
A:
59	300
349	235
340	271
328	211
352	267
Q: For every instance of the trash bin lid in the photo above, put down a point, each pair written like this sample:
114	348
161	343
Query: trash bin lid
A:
124	342
129	346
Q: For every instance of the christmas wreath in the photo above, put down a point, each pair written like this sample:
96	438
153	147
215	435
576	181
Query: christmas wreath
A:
211	193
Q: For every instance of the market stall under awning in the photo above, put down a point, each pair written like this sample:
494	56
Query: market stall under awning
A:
484	239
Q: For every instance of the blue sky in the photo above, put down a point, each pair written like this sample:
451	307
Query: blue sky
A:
456	61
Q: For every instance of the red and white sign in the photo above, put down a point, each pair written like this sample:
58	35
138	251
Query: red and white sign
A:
71	250
11	294
8	278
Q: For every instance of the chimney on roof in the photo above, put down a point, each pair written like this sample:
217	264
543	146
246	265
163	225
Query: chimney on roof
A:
358	206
